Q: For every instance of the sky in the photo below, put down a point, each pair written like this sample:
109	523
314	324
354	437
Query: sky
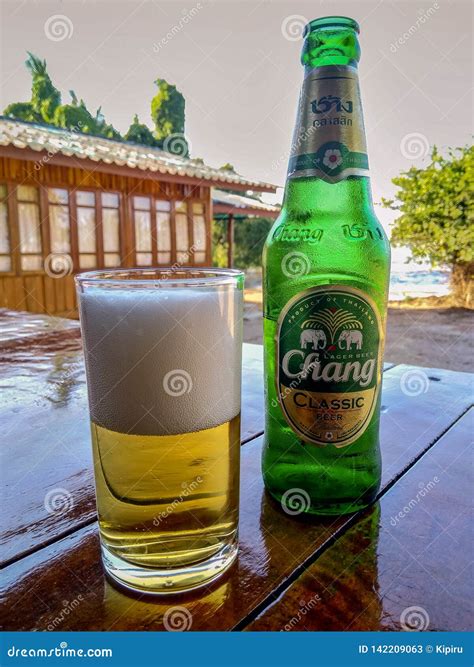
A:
237	65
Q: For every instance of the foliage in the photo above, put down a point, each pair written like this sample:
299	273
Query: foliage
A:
139	133
45	97
167	110
22	111
228	167
219	242
45	107
77	117
437	215
249	237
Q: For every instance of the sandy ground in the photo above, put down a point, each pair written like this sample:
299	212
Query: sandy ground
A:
420	333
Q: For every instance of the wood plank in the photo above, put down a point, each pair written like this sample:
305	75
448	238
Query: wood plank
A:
20	296
413	549
34	293
7	292
70	288
418	405
60	294
45	420
273	546
49	296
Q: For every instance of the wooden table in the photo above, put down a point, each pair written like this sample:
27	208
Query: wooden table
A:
361	572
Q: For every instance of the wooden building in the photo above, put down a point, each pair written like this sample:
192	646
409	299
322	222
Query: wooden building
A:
71	202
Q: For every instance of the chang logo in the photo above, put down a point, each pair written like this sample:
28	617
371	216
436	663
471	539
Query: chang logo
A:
334	320
329	363
331	102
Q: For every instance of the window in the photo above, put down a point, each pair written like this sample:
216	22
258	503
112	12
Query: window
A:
86	229
199	233
142	217
60	233
163	231
29	228
111	228
182	236
5	258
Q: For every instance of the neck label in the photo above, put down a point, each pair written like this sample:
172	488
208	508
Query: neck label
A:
329	363
329	139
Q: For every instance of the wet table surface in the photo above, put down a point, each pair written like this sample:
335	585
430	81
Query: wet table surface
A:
403	563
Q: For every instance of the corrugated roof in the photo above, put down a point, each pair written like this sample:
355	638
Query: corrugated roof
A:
239	201
55	140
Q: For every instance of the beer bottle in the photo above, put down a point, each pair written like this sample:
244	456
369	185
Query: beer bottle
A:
326	268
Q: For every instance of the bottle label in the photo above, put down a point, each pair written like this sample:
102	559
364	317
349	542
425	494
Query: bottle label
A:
329	139
329	363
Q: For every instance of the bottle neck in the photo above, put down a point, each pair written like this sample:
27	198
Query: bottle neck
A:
304	195
328	160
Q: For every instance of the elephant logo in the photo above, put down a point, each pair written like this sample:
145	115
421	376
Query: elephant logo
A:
348	338
315	337
331	328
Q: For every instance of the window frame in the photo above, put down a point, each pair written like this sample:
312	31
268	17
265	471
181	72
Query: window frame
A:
12	231
188	201
15	205
126	225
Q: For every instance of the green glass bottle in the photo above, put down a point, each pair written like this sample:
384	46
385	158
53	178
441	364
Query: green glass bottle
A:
326	271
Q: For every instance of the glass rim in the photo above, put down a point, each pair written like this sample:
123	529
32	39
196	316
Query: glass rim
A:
150	276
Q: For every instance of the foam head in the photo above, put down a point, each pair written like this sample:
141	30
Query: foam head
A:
162	361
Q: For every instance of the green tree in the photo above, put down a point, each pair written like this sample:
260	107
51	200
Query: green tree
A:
45	97
437	216
22	111
139	133
219	242
104	129
45	106
75	116
167	110
249	237
228	167
168	115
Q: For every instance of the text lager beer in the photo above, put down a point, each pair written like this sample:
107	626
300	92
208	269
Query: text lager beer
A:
326	272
